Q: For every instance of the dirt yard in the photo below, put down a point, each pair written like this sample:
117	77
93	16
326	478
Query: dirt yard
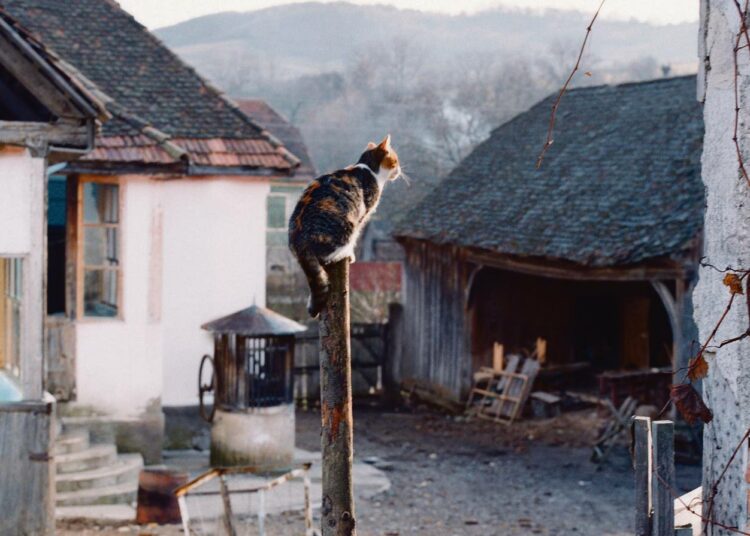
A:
451	477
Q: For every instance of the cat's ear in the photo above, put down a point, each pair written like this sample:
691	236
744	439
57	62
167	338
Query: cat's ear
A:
371	145
386	143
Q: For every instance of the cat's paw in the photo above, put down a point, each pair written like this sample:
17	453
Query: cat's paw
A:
310	308
352	259
316	302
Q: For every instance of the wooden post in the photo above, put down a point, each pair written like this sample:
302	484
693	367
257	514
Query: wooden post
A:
662	480
337	513
227	518
308	505
641	463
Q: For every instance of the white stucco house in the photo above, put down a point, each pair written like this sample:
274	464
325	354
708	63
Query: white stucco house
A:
47	113
157	230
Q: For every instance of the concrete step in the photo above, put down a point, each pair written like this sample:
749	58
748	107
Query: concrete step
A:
125	469
75	441
124	493
94	457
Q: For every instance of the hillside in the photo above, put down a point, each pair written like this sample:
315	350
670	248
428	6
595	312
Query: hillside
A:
346	74
307	38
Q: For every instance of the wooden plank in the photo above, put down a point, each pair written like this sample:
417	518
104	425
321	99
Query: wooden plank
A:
642	466
60	357
641	272
4	314
530	369
30	133
31	77
498	357
34	287
662	480
27	475
228	516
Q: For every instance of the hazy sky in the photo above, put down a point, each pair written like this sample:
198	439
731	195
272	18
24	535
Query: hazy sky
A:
165	12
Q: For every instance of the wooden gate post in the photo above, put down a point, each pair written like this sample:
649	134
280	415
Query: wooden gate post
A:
337	513
662	479
642	466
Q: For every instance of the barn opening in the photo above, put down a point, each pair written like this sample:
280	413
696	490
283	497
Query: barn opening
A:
589	326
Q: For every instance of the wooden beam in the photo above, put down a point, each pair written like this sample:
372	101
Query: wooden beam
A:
570	271
673	305
32	134
663	479
31	77
642	470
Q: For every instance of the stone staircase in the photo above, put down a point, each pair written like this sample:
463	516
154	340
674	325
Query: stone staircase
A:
89	474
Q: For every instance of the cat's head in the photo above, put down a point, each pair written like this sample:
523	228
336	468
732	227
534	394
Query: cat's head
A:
382	159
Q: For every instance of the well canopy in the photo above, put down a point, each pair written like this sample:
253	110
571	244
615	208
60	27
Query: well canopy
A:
255	321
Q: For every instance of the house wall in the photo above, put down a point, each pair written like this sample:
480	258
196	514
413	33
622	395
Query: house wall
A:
726	390
22	224
26	485
118	360
286	286
192	250
214	263
435	331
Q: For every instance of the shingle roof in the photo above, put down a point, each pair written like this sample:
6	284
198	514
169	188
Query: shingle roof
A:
263	114
64	76
145	79
621	183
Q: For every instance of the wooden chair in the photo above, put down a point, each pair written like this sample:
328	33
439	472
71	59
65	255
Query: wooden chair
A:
499	394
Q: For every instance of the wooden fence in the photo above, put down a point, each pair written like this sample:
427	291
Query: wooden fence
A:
653	460
369	347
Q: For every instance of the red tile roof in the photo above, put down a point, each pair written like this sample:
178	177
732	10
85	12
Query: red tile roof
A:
218	152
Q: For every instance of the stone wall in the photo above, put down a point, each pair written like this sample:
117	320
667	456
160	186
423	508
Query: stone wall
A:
727	243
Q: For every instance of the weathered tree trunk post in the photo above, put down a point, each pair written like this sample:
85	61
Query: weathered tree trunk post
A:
337	437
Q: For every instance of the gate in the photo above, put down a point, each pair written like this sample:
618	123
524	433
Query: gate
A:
369	346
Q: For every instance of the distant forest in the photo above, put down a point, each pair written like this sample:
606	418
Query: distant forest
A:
348	74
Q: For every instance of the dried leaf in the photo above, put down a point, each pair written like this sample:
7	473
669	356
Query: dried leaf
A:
698	368
734	283
690	404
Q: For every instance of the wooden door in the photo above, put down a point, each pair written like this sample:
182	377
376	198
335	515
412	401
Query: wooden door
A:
634	322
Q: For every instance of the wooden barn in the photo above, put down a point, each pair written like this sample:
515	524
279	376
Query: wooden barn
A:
595	252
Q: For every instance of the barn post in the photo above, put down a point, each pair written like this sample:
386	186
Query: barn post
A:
337	437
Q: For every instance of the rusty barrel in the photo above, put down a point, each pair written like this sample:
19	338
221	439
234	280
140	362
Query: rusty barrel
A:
156	500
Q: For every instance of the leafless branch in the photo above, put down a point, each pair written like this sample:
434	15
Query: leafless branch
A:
556	105
735	135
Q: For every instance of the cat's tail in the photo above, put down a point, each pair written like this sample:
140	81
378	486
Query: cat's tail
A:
317	278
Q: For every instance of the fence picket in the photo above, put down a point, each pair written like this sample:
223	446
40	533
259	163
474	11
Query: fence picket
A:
642	466
662	480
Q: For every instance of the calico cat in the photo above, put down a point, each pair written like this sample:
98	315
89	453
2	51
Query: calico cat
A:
333	210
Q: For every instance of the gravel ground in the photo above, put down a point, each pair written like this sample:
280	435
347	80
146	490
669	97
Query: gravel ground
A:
451	477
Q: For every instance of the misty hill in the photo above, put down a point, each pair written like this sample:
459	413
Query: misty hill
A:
347	74
308	38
